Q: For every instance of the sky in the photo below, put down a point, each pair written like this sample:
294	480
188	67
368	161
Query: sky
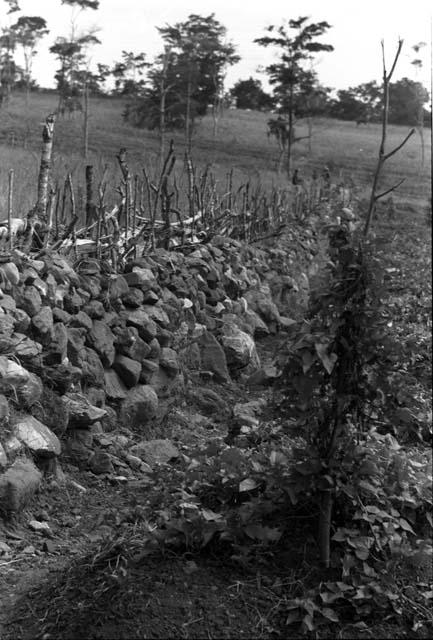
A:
357	30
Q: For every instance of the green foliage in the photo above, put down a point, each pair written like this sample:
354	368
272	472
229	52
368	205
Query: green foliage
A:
249	94
187	77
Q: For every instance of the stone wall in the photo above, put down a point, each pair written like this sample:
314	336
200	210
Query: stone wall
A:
83	351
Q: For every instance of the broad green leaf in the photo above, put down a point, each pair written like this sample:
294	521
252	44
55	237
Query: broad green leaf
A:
308	622
247	485
328	360
330	614
265	534
405	525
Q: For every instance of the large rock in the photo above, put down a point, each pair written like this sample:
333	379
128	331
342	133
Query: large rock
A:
127	369
240	348
155	452
93	371
141	320
81	413
139	277
30	392
43	325
7	325
52	411
139	407
18	485
114	387
30	300
12	374
101	339
37	437
212	357
76	339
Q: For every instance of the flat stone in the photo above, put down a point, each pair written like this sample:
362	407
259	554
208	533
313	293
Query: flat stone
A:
18	485
81	413
37	437
155	452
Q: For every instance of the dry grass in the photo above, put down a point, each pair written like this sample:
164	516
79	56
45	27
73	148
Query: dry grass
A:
241	144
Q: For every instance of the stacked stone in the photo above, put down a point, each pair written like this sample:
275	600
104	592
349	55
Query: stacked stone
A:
83	350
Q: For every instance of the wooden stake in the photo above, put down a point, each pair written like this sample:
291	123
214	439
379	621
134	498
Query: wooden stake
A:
10	200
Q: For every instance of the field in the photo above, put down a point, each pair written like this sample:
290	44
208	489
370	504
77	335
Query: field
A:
241	144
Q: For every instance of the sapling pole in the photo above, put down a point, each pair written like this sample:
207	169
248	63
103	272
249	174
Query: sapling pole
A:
383	156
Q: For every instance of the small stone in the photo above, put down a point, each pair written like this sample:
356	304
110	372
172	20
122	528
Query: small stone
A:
41	527
101	462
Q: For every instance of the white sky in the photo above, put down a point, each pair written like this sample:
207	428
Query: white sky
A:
357	29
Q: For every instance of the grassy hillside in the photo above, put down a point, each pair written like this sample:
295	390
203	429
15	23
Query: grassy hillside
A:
241	144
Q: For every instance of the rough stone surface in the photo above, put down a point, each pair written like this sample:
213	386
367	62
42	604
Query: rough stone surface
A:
127	369
139	407
18	485
43	325
37	437
239	347
114	387
101	462
212	357
155	452
101	339
81	413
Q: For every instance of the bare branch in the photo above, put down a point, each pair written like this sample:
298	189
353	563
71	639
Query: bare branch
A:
391	153
397	54
393	188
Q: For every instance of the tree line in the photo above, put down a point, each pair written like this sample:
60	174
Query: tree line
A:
187	79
